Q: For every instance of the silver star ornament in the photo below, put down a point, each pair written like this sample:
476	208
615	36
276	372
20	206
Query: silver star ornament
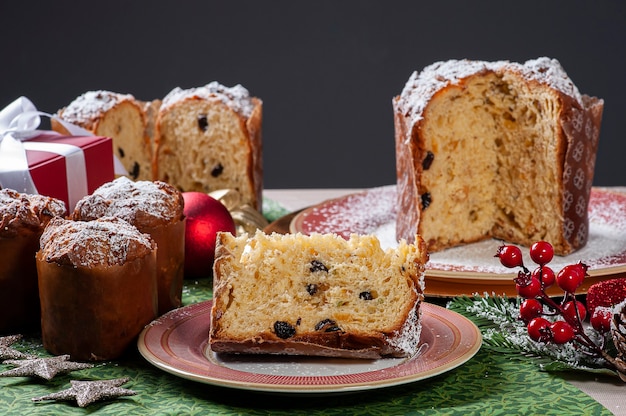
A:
45	368
87	392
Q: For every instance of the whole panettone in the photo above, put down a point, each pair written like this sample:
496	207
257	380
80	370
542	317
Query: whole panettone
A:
97	285
155	208
23	218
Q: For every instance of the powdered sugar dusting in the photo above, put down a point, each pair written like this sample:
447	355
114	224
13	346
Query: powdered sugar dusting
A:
103	242
373	212
141	203
19	211
91	105
422	86
237	97
357	213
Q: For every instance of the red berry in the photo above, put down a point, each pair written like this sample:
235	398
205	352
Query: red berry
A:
530	290
570	277
529	309
539	329
562	332
510	256
545	275
601	320
569	310
541	252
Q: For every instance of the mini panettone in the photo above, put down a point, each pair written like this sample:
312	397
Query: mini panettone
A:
97	285
316	295
121	117
209	138
155	208
23	218
495	149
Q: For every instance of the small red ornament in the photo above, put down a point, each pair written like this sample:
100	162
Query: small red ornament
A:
606	293
205	217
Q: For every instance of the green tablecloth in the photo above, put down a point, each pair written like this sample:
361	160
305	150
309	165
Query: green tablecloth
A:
488	384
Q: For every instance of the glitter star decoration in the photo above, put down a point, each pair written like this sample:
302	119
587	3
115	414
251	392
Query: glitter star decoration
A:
8	353
87	392
45	368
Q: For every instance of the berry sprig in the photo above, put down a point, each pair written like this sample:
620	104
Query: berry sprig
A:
566	323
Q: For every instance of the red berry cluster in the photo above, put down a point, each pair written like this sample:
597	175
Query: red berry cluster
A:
568	315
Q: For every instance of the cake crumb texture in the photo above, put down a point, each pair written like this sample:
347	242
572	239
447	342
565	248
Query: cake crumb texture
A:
296	290
495	149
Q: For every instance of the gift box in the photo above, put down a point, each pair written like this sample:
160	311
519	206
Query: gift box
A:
47	163
54	176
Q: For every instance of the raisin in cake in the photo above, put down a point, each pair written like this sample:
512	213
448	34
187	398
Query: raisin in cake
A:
316	295
495	149
121	117
209	138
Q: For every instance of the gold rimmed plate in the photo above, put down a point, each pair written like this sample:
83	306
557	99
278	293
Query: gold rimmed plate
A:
177	343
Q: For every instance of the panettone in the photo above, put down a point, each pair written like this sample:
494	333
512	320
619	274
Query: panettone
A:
209	138
23	218
155	208
316	295
97	285
495	149
121	117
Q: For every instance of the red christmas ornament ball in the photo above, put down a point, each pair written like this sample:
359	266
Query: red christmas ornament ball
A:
205	217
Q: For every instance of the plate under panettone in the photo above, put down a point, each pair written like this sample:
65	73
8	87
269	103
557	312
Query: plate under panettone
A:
177	343
472	268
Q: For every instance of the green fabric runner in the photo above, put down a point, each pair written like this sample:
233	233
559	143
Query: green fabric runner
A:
488	384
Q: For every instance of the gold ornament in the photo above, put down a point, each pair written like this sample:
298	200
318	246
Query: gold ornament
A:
247	219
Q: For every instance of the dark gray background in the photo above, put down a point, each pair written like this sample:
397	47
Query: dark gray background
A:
325	70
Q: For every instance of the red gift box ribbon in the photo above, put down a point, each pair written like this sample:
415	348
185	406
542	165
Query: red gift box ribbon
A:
18	124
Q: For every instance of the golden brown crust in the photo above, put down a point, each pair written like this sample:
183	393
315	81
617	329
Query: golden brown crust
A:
254	125
155	208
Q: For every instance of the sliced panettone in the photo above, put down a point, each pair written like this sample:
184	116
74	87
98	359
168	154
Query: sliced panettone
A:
316	295
209	138
495	149
119	116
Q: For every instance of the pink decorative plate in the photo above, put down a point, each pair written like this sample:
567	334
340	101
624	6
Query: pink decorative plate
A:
472	268
177	343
